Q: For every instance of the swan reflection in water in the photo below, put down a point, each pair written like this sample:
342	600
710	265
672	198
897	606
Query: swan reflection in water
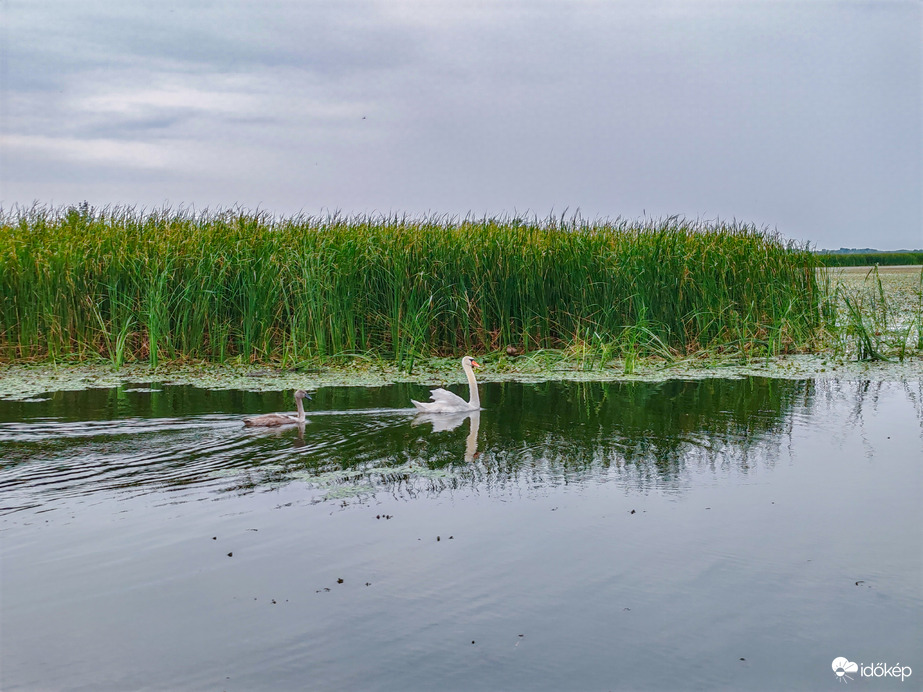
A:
444	422
441	422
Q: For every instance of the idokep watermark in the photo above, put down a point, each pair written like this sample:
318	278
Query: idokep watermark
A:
843	667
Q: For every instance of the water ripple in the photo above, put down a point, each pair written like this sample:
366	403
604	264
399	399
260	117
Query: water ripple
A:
639	436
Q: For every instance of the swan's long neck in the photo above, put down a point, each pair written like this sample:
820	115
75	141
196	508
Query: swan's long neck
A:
300	408
474	399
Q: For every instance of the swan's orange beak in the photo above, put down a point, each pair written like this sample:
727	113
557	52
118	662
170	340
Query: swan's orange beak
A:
475	364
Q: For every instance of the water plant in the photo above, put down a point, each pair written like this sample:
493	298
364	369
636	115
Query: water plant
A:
130	285
868	322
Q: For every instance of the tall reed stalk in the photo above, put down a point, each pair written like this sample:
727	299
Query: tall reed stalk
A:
122	284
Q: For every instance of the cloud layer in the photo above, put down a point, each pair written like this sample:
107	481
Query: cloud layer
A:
804	117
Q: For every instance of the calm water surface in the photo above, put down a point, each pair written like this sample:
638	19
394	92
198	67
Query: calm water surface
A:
716	534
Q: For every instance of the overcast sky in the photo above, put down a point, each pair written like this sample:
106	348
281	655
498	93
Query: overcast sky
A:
802	116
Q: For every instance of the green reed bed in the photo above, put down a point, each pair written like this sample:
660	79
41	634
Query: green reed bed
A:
167	285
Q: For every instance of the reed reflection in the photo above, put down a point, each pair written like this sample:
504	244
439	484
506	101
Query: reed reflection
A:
643	435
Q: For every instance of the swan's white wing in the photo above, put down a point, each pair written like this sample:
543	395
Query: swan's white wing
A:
443	401
427	406
444	396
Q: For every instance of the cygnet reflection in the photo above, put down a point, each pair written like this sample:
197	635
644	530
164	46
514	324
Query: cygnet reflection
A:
443	422
299	441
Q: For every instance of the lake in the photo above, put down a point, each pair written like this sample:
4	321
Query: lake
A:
707	534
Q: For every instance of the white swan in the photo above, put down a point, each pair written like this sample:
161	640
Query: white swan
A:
272	420
444	401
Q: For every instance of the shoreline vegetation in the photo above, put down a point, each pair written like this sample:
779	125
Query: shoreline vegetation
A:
243	292
869	259
80	284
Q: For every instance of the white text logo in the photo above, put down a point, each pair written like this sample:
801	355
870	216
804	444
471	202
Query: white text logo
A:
843	666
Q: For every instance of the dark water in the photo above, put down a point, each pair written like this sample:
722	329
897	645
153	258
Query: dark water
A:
716	534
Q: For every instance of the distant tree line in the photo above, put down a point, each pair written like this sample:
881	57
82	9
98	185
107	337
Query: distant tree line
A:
863	259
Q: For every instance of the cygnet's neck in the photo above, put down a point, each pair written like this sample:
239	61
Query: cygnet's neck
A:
300	406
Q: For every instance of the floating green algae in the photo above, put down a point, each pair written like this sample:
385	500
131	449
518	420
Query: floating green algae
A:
19	382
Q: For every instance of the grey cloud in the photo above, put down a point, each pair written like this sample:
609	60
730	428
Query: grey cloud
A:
801	116
49	41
